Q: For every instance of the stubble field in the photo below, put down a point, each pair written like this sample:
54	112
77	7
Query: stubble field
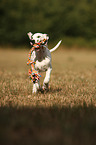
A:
66	114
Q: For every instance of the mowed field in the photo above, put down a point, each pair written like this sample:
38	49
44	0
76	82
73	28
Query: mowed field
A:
66	114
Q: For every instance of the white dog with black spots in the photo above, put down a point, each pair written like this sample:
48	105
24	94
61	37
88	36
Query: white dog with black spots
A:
42	58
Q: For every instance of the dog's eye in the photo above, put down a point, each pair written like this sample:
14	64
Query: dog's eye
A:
38	36
37	40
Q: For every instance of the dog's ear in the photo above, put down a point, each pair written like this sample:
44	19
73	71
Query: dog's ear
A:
30	35
46	36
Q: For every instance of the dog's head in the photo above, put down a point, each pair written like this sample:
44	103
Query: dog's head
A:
37	37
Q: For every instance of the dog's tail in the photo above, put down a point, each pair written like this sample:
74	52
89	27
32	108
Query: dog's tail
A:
53	49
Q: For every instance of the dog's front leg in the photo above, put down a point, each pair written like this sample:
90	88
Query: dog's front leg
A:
36	87
47	78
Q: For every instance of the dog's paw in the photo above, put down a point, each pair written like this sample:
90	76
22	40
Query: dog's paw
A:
46	87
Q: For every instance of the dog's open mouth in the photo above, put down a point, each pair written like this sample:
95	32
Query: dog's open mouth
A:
38	47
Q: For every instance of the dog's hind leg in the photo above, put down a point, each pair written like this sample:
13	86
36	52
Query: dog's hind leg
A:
47	79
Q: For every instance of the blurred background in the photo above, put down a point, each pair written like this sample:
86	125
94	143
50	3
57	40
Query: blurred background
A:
67	113
70	20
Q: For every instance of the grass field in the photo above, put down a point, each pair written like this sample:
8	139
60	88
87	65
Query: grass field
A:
64	115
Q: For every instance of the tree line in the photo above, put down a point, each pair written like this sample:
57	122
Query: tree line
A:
57	18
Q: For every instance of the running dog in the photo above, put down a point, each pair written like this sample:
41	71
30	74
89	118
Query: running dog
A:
40	60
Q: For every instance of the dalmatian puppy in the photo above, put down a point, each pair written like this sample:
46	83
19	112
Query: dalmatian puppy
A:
42	58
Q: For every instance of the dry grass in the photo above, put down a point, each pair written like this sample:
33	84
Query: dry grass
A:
57	116
73	80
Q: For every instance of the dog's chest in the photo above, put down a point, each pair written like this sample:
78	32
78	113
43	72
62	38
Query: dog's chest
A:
40	55
42	60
